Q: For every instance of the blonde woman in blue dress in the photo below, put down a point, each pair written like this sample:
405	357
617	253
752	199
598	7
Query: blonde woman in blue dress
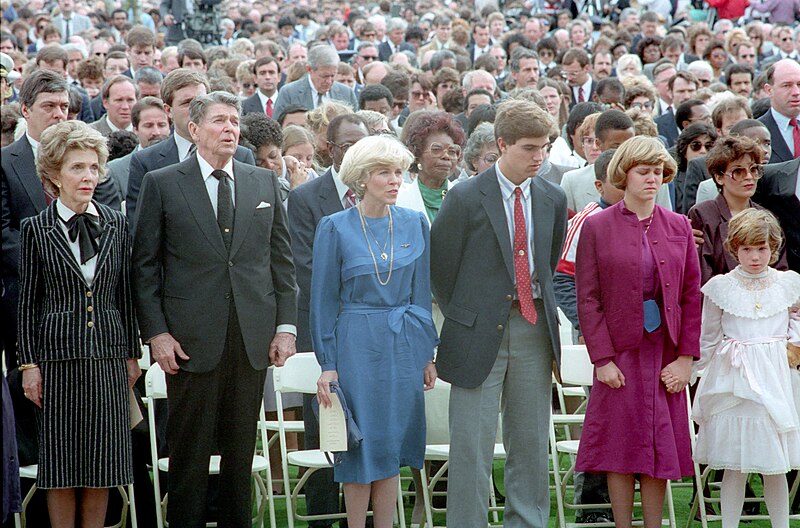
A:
748	398
371	325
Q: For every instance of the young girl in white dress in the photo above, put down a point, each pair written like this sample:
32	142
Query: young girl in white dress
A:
748	398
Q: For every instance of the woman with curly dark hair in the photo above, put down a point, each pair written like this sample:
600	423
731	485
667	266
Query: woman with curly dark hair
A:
716	55
264	137
649	50
436	140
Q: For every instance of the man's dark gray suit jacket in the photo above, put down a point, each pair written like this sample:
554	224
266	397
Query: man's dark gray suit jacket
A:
299	93
184	279
780	150
472	272
307	205
154	157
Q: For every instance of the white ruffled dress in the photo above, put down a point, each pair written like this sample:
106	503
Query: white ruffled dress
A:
748	399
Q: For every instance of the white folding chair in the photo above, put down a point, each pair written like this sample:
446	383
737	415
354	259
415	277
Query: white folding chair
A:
156	388
300	374
126	493
577	369
437	449
703	480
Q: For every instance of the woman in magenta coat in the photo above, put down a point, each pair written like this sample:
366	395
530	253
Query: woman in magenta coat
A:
639	309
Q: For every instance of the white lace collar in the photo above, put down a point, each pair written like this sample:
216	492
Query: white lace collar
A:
754	296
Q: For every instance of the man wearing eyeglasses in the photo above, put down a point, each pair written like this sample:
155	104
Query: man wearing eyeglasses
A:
367	53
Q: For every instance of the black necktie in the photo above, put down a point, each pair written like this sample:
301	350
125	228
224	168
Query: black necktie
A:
85	228
319	100
67	32
191	152
224	207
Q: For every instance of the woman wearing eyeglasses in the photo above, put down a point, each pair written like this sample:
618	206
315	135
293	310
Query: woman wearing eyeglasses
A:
435	139
735	164
717	57
481	151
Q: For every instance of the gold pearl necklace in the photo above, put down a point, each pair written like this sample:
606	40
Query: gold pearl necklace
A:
369	246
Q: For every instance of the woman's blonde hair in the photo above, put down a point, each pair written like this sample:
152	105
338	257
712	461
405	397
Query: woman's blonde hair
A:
369	154
294	135
61	138
754	227
319	118
639	150
587	127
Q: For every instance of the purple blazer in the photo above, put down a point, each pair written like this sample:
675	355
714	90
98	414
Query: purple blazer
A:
609	288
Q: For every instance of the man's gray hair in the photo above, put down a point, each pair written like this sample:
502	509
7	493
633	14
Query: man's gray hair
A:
699	66
74	46
395	23
466	82
627	13
147	75
198	109
438	58
521	53
322	55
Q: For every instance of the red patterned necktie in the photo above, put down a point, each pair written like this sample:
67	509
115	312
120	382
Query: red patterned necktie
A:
581	99
522	270
796	136
350	199
269	108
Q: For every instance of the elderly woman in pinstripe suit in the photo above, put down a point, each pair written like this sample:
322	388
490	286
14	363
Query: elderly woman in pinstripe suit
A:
77	332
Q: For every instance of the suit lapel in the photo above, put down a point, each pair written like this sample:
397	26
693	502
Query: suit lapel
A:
329	202
493	204
787	184
194	190
59	241
25	166
247	198
170	153
106	239
543	219
780	150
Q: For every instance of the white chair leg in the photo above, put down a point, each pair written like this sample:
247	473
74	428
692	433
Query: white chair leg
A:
670	506
132	505
17	520
426	497
401	512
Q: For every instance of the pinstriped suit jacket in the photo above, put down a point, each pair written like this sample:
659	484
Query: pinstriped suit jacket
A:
60	316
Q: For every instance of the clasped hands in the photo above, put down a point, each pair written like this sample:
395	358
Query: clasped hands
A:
674	376
164	349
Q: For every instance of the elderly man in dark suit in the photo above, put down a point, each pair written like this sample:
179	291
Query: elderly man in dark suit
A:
216	299
178	90
307	204
44	98
494	248
318	86
781	119
395	40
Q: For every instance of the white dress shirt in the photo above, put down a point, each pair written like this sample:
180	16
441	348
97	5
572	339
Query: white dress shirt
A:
507	191
212	184
787	131
114	127
326	98
263	98
65	213
34	145
341	188
183	146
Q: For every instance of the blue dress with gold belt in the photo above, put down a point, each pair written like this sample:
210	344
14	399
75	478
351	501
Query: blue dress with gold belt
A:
378	338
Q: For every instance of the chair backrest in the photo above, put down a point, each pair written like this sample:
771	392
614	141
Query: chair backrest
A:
299	374
155	382
437	421
564	328
576	367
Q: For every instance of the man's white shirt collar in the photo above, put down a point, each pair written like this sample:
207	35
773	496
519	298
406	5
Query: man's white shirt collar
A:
183	146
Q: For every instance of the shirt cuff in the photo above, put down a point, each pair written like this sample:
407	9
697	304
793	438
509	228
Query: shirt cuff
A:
288	328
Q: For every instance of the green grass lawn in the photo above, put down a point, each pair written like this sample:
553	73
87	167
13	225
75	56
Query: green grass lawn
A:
681	496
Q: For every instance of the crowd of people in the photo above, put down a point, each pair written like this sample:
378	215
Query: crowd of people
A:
413	192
